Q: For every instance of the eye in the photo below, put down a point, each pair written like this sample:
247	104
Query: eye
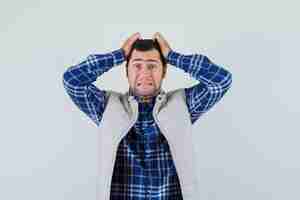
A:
137	65
152	66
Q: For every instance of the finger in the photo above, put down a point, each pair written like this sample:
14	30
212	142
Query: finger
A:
135	34
153	35
159	35
159	38
134	37
131	39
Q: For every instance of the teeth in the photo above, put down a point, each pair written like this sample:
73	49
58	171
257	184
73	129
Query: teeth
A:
138	84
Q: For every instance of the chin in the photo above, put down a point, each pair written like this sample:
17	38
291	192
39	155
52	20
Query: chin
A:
145	92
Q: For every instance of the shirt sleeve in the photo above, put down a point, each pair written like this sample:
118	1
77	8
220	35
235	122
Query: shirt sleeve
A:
214	81
78	82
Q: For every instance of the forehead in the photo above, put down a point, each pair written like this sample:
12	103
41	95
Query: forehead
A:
151	56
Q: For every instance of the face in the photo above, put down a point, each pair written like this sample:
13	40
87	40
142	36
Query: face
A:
145	72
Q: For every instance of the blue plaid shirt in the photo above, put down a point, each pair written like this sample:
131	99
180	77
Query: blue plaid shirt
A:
144	167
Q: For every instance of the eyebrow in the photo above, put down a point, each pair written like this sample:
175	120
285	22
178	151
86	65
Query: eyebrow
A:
139	59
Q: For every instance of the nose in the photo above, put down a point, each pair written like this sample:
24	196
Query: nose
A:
145	70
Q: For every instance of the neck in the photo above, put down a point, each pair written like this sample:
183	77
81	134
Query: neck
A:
144	98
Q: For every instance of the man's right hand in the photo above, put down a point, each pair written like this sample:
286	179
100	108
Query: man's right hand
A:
164	45
128	43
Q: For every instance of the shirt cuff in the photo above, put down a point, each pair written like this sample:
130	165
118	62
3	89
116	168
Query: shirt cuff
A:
173	57
118	56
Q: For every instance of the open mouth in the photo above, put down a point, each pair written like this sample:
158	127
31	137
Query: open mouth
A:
147	84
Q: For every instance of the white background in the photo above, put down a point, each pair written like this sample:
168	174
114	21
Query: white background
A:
248	144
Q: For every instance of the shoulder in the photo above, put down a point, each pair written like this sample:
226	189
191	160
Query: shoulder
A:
176	94
111	94
115	98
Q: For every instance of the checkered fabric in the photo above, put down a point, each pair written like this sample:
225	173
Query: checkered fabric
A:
144	168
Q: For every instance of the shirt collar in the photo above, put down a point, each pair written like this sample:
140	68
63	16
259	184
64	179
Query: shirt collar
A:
145	99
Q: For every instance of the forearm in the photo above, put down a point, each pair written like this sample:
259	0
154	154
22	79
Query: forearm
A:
94	66
214	81
201	68
77	81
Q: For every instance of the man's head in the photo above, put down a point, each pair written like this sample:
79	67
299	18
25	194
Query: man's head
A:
145	67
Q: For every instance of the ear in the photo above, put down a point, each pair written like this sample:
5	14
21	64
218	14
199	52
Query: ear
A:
164	72
126	71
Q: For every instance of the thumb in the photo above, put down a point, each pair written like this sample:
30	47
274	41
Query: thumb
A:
136	37
156	36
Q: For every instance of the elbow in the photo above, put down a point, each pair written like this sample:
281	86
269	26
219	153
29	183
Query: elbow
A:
229	79
65	77
68	79
226	83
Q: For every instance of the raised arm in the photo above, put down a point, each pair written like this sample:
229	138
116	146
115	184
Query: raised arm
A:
214	80
78	82
78	79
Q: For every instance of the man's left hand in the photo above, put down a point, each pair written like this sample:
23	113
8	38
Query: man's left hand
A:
164	45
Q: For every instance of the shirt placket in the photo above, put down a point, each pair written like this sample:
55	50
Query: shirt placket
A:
147	169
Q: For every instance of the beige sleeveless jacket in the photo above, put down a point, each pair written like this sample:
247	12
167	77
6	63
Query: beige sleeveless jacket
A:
171	115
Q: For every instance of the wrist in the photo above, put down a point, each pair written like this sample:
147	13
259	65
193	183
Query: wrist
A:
167	53
118	56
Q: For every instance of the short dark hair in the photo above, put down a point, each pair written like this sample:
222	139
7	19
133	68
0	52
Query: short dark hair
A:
146	45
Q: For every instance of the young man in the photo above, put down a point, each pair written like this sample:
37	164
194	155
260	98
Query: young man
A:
145	133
